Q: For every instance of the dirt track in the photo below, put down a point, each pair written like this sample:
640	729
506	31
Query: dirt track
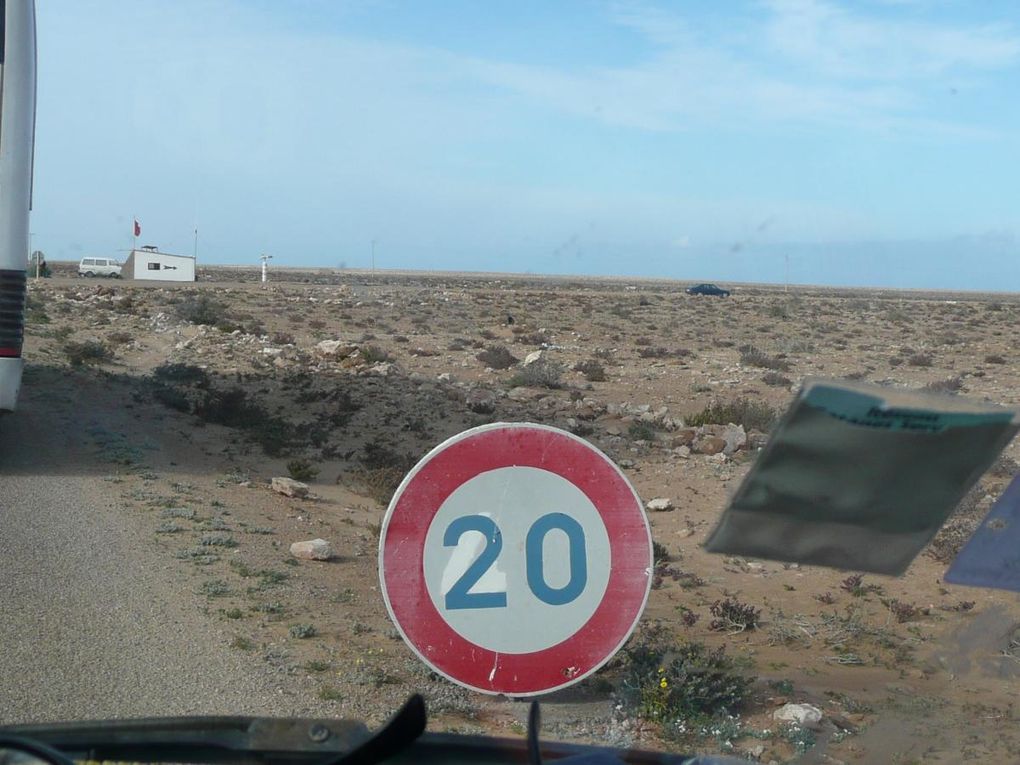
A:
95	625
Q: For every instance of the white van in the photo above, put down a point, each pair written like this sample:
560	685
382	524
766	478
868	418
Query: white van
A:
99	267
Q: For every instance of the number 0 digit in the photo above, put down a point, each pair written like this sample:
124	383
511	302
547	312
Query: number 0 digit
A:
536	564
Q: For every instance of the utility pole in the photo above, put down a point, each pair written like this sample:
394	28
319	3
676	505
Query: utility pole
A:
195	251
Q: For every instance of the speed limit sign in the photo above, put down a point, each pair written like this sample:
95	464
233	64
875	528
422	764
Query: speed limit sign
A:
515	559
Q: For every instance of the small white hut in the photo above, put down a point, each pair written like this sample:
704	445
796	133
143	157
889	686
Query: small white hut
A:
151	264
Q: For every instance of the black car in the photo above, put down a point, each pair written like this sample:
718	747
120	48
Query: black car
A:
707	289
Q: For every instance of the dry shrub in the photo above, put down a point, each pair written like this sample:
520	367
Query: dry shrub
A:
282	338
903	611
541	374
201	309
665	681
653	352
776	380
378	484
753	415
732	616
533	338
86	353
234	408
497	357
181	374
641	431
302	470
119	338
752	356
958	529
920	360
373	354
381	471
592	370
949	385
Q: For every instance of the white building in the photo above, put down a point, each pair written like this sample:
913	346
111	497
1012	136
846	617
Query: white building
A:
151	264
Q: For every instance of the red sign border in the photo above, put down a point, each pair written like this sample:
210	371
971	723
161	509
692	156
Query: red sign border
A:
442	471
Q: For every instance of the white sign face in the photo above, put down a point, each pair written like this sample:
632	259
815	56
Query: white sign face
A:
567	555
515	559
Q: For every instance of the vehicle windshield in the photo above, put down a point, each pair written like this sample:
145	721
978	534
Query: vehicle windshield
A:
380	226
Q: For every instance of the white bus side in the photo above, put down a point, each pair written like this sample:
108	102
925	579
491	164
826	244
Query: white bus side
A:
17	136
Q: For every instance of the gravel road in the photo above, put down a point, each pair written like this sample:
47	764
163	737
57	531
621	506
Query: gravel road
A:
91	626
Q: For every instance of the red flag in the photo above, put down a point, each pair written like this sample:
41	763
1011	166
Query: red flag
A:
138	229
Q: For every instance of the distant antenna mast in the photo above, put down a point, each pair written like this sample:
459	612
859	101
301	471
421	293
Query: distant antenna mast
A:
265	263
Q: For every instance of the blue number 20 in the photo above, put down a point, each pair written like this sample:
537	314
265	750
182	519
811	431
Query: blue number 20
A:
459	596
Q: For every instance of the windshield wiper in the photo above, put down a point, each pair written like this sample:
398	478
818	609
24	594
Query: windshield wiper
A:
234	739
402	730
202	739
266	740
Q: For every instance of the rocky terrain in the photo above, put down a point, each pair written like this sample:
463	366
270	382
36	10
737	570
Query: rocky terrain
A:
200	395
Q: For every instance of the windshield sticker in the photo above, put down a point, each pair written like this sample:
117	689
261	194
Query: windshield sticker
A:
848	481
872	412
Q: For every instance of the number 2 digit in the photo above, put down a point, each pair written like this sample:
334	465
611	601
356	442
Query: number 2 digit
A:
458	596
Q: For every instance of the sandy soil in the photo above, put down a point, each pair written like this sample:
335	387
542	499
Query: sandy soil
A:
189	473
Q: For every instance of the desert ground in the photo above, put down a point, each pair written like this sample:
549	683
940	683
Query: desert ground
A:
185	400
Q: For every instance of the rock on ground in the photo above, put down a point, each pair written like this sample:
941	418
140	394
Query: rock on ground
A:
709	445
683	437
289	487
337	349
383	369
735	438
802	714
481	401
659	504
313	549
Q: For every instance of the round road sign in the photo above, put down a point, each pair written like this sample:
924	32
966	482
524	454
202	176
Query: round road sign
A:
515	559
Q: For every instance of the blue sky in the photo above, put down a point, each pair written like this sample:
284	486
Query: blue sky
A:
873	143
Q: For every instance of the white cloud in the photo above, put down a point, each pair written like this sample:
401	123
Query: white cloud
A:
848	70
659	26
836	42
